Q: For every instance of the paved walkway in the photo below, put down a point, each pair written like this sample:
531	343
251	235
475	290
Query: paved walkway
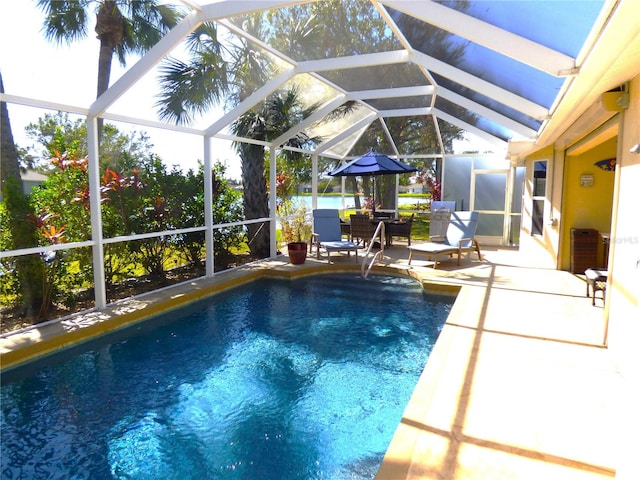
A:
518	385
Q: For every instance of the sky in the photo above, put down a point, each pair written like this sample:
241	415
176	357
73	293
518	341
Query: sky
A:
67	74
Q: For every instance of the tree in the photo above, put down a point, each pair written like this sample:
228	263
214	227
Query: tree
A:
217	74
29	269
214	75
64	197
227	208
141	196
274	116
227	73
190	88
124	27
118	151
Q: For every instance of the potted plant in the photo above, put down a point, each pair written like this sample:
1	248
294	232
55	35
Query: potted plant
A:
296	229
294	223
369	206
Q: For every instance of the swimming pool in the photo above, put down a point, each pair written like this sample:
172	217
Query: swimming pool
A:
277	379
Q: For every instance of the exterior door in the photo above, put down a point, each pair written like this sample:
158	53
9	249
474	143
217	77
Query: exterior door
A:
489	193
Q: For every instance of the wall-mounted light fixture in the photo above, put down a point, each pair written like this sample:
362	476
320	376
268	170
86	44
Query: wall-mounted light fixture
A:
635	149
615	101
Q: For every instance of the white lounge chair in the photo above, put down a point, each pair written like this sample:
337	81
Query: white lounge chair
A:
459	239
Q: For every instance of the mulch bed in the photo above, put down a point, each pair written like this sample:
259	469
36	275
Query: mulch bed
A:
12	318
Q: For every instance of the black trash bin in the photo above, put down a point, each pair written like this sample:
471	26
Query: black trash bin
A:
584	249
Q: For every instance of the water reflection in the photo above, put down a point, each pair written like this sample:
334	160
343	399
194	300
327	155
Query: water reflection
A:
336	202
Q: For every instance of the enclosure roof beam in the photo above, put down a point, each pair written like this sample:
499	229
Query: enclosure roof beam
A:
392	92
230	8
166	44
365	122
471	129
487	113
318	115
406	112
356	61
389	137
506	43
481	86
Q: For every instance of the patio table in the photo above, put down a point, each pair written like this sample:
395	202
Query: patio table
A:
387	230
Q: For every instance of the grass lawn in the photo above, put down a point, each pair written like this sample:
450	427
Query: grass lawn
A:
419	229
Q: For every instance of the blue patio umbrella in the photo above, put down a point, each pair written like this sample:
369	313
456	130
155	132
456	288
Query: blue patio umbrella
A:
372	163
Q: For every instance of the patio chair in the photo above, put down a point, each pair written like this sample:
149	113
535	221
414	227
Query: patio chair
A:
401	228
326	233
382	215
439	219
362	228
438	224
345	229
459	239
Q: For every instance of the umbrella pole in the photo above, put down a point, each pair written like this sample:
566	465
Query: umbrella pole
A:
374	196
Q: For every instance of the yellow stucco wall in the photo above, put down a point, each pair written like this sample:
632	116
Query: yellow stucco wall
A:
612	205
586	206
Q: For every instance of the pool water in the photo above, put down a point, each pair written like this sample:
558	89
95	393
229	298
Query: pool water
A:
305	379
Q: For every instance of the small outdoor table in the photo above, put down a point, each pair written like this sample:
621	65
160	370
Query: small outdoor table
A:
596	280
345	229
387	221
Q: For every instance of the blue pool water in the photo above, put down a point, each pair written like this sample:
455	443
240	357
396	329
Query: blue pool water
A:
272	380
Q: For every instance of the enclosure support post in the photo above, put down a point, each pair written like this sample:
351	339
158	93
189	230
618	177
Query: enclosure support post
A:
314	181
208	209
272	202
93	146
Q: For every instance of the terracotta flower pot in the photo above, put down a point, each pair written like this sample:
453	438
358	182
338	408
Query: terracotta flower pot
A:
297	252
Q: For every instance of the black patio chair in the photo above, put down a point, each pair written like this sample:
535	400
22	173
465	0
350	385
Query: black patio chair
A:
400	228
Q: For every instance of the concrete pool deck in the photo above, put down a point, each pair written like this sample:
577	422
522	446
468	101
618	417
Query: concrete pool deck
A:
518	386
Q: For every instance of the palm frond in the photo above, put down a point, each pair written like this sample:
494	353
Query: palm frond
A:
190	88
65	21
145	24
204	38
342	111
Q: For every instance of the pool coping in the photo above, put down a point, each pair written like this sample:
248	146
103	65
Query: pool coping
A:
33	343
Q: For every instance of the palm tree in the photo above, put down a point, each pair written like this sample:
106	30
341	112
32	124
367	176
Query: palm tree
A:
217	74
214	75
228	74
124	27
275	116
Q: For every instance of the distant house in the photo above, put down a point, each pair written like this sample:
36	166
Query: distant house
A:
30	180
413	188
305	188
